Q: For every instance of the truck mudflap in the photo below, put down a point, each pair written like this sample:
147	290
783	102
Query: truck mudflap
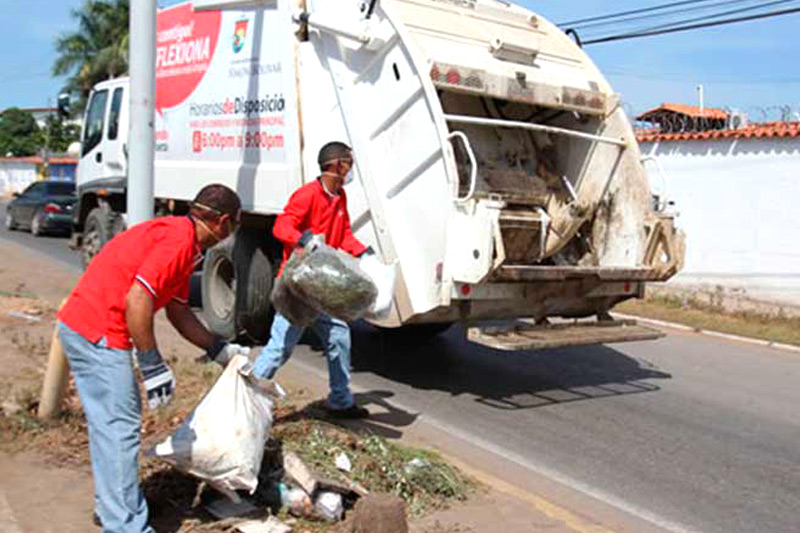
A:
521	336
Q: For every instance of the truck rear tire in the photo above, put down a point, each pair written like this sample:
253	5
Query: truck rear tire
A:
219	290
97	231
236	287
253	303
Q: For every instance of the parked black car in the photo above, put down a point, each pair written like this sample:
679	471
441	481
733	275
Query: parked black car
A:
44	206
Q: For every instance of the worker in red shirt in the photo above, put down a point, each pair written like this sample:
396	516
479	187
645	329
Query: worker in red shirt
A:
110	312
318	208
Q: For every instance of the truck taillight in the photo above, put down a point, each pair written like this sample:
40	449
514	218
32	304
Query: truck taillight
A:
453	77
52	208
450	75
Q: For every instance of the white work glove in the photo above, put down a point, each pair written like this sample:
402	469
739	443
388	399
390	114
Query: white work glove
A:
221	351
158	378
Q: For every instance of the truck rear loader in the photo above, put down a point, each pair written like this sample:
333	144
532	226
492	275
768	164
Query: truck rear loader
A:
493	162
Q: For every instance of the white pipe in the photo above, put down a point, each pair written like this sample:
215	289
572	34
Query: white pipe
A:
700	96
464	119
141	133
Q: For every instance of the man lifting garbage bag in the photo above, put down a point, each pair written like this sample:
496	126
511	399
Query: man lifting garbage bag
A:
321	281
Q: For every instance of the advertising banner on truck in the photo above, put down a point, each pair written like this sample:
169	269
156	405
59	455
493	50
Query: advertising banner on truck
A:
221	90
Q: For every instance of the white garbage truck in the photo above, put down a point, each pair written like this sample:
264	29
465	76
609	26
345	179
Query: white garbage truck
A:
493	162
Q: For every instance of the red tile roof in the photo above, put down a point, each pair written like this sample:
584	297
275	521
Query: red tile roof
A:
36	160
689	110
767	129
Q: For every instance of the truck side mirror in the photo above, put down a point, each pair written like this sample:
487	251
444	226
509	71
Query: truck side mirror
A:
63	105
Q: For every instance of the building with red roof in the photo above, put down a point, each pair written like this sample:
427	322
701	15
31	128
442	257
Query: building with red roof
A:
737	189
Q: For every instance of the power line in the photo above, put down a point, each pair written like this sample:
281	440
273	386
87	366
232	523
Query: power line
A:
719	14
691	26
623	20
632	12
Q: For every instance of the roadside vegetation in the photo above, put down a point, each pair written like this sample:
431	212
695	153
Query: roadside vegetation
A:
712	315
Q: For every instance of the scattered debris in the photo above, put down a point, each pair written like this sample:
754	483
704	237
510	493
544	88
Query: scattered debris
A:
416	464
329	506
270	525
295	500
10	407
343	462
26	316
298	472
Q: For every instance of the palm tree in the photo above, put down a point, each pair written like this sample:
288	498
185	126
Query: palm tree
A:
97	51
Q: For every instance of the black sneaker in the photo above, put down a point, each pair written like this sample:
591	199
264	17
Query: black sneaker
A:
353	412
96	520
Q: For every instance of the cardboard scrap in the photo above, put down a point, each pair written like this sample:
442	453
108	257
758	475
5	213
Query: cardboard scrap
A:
298	472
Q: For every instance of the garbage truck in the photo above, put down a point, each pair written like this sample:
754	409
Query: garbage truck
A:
494	164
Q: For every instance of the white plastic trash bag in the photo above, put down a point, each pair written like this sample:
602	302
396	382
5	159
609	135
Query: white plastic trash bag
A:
383	277
222	440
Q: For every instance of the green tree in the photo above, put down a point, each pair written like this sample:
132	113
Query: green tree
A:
19	133
97	50
58	135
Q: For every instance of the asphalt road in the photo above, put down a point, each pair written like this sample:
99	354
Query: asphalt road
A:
54	246
689	432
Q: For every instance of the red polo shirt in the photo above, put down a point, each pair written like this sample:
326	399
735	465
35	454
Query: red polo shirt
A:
159	254
312	207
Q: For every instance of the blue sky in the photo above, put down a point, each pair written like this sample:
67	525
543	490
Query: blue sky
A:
743	66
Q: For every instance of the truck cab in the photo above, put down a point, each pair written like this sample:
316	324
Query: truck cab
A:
102	168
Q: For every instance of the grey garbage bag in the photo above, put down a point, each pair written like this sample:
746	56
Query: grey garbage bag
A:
330	281
285	302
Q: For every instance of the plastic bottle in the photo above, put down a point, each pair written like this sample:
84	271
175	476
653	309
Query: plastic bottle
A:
295	500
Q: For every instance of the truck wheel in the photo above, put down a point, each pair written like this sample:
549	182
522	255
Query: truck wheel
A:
254	287
97	232
219	290
236	288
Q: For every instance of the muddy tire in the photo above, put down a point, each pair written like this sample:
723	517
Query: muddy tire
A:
255	275
97	231
219	290
236	288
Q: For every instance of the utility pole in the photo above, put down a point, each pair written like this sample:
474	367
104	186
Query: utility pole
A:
141	137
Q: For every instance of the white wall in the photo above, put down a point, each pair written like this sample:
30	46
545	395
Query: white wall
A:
15	176
739	203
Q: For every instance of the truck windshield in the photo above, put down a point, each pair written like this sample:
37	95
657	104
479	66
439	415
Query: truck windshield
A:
93	132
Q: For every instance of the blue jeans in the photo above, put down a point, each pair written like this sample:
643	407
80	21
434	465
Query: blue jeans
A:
110	397
335	336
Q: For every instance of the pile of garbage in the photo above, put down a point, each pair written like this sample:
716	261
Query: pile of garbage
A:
308	469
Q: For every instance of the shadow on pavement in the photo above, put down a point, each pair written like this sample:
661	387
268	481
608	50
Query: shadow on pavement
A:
498	379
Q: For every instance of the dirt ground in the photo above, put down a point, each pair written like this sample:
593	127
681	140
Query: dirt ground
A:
40	495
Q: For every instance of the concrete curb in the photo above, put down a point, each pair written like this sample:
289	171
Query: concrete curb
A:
710	333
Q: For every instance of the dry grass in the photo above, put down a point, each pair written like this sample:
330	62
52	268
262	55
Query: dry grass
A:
701	315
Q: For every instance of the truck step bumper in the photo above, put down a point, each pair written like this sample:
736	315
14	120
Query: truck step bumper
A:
538	337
